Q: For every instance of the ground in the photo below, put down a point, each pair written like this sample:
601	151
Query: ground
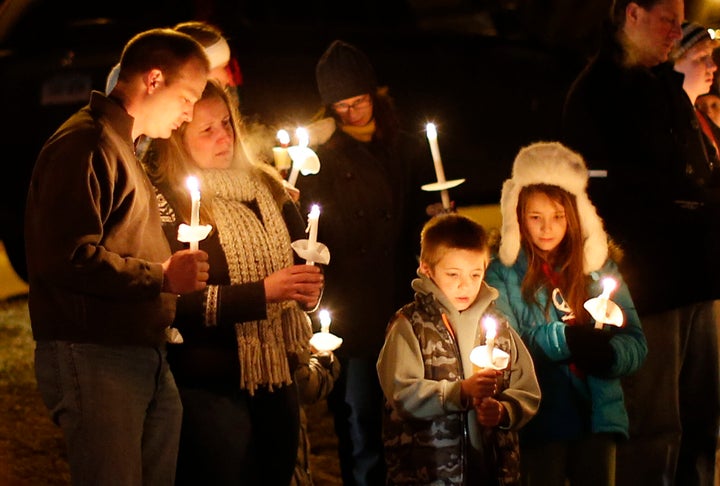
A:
31	446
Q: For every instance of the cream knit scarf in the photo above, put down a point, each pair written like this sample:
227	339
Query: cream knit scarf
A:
254	248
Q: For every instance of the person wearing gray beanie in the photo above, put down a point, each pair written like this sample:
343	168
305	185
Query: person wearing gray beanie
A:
554	256
369	192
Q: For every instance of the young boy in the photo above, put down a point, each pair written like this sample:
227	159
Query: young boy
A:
444	422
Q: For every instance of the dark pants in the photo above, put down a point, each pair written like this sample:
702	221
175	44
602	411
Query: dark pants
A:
356	403
230	438
673	402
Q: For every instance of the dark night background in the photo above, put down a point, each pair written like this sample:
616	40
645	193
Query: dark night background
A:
491	74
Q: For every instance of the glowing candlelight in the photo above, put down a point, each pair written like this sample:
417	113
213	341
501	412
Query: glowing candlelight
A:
609	285
325	320
280	154
303	140
439	171
283	137
490	333
312	229
194	187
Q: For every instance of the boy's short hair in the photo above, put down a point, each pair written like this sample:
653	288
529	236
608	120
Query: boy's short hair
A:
451	231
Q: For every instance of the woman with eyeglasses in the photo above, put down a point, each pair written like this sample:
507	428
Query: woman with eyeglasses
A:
368	188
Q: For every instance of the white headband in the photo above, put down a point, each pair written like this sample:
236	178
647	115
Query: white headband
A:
218	53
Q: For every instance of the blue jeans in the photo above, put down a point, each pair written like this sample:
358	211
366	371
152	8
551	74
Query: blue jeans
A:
673	402
119	410
356	402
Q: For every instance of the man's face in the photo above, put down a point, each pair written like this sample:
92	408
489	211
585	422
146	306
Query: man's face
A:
654	32
170	105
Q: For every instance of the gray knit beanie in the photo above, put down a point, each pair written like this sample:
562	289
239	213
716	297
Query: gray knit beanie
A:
343	72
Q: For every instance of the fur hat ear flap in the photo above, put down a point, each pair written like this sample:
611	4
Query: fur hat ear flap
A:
510	241
553	164
596	240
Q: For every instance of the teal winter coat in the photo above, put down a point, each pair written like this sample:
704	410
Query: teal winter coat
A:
573	404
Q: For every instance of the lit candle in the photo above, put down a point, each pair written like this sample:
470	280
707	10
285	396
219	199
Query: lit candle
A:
325	320
280	154
439	171
312	229
194	187
303	140
609	285
283	137
490	333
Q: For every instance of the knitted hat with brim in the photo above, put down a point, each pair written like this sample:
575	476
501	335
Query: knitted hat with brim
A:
692	34
553	164
344	72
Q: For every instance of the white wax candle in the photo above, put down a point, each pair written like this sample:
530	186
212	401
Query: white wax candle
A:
490	333
303	140
194	187
325	321
431	132
609	285
313	219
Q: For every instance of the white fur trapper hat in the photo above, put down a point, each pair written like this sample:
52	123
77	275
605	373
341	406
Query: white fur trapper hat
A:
554	164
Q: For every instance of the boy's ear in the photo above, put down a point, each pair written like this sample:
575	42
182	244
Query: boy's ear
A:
425	269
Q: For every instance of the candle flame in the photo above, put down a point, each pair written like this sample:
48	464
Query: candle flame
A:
303	136
490	327
314	211
192	183
283	137
324	317
609	285
324	320
431	131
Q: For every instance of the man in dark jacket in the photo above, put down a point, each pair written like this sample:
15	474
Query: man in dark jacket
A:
368	188
655	188
103	284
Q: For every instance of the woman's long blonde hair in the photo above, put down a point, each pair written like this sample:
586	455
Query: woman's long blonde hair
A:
168	162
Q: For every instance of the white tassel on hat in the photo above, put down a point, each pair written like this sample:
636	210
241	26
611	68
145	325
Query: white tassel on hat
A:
554	164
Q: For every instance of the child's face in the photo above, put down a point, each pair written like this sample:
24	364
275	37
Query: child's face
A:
545	221
459	274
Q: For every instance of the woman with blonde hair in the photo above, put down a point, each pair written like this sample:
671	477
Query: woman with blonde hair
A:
242	335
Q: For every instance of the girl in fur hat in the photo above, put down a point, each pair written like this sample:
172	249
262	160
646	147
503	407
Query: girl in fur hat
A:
553	255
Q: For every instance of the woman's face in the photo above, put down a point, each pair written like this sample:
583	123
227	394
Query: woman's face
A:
545	221
209	136
356	111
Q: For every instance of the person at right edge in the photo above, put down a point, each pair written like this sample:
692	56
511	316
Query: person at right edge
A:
628	116
372	210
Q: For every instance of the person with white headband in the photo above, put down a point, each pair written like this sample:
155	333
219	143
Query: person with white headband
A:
216	47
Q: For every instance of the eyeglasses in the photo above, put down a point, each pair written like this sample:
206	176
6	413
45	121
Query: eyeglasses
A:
358	104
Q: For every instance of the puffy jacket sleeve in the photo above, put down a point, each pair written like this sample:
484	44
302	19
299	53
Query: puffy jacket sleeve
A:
402	377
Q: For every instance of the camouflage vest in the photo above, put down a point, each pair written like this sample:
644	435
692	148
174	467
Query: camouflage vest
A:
435	452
